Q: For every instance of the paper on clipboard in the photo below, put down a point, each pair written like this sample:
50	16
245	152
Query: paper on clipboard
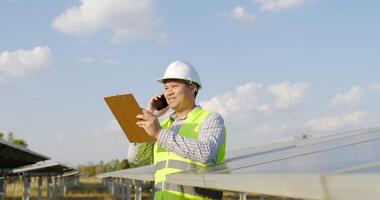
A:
125	108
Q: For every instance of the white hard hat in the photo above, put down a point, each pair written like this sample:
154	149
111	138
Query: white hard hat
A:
183	71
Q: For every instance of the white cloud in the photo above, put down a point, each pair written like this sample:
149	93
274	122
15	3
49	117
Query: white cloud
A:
253	97
111	61
354	119
255	111
127	20
348	99
90	60
278	5
374	87
244	98
25	62
288	94
240	14
87	60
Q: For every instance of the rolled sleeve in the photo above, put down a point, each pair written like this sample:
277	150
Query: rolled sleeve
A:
140	153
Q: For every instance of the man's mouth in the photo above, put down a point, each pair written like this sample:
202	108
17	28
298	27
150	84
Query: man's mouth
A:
171	99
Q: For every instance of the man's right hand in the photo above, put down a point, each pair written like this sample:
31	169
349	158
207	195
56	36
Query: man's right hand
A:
152	107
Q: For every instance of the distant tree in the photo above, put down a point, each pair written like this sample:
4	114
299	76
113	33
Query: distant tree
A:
17	141
1	135
87	170
90	169
124	164
20	142
99	168
11	137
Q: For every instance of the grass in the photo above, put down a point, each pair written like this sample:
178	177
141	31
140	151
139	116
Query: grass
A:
89	188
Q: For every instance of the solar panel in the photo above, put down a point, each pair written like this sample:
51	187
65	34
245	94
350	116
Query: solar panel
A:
44	169
339	166
12	156
144	173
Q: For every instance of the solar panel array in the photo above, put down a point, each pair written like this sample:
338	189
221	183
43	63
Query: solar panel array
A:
339	166
18	161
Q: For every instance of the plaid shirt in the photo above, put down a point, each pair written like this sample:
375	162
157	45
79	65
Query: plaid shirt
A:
204	149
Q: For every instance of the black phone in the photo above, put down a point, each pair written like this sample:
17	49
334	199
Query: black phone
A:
161	103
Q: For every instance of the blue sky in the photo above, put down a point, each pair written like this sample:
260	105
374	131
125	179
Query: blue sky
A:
273	68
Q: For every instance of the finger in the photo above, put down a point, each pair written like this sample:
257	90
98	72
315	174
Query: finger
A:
156	98
140	124
141	117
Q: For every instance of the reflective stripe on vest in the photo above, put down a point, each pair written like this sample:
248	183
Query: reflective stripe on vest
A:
167	162
193	191
177	164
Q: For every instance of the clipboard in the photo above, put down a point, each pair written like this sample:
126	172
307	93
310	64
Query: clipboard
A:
125	108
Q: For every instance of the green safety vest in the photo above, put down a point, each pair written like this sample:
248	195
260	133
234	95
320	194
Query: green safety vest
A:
167	162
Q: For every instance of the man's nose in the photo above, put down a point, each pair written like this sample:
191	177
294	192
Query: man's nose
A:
168	92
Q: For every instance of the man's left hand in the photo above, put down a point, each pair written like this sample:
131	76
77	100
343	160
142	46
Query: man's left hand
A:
149	123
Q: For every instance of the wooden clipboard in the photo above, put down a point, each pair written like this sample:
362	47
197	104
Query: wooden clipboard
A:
125	108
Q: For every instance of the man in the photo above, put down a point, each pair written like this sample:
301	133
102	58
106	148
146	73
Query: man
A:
189	138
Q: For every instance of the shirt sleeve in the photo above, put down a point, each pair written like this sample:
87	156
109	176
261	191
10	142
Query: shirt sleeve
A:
140	154
205	148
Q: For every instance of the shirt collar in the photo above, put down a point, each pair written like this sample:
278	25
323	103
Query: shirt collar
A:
173	116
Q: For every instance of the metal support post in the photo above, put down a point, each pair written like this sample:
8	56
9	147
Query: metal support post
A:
15	180
128	188
112	186
39	188
49	185
152	190
60	186
26	188
123	189
55	189
76	181
119	187
138	190
64	186
2	190
243	196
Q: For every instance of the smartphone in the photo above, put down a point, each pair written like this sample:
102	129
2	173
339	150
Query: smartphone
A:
161	103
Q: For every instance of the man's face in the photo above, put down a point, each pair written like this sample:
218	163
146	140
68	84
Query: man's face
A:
178	94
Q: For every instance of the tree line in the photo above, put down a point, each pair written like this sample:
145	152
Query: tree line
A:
11	138
103	167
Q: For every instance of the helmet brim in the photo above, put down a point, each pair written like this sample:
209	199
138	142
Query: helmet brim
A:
161	80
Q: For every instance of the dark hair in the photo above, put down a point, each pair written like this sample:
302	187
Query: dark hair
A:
196	85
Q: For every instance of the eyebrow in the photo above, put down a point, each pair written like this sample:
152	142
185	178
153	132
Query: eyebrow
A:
172	83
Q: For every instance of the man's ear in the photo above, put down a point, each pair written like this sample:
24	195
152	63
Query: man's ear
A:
193	88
